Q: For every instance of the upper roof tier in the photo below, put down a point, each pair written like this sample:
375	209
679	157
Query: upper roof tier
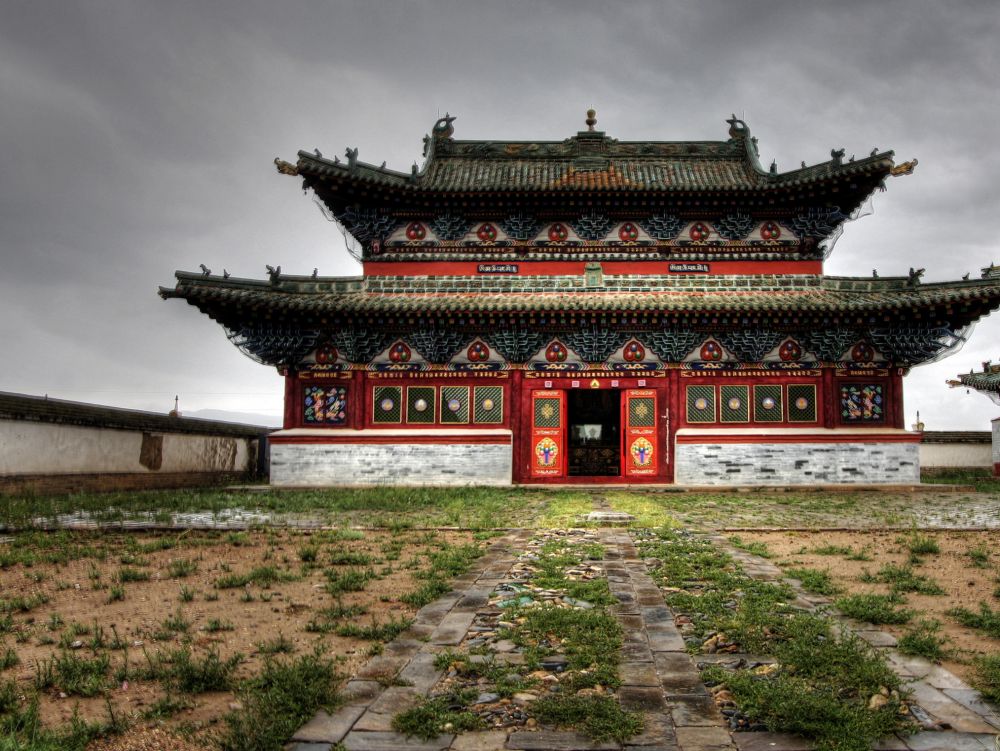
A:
593	162
522	186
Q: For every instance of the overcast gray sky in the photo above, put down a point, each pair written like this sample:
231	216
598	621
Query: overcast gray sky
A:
138	137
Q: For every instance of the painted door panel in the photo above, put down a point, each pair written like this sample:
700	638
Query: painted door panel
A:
548	433
639	453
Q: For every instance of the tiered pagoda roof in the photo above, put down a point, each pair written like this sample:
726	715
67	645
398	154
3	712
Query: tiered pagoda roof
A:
639	214
603	167
229	299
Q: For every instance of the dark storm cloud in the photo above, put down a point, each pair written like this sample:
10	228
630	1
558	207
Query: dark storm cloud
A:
137	137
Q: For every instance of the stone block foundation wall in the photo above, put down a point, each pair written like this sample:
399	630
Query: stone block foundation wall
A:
342	462
807	463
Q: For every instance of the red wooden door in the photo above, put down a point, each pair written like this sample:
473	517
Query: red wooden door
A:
639	454
548	433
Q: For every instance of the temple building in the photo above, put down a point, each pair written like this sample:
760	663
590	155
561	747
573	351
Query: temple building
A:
987	383
592	311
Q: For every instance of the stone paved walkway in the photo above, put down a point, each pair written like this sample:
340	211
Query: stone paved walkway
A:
659	678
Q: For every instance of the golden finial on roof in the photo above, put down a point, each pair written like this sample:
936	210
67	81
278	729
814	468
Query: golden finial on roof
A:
591	119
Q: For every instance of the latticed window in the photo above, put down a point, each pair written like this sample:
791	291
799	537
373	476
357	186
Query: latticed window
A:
735	404
701	403
642	412
488	404
802	402
767	405
547	413
387	404
421	404
455	404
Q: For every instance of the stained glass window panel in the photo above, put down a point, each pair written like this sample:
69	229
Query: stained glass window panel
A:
325	405
862	402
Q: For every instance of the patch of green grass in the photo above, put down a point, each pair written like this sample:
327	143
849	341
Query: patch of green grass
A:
181	568
904	579
21	728
186	594
873	608
116	593
920	544
216	624
349	558
600	717
22	603
428	719
262	576
279	701
279	644
427	592
191	675
347	580
923	640
987	677
166	707
979	556
375	631
309	553
753	547
9	659
125	575
986	620
73	674
814	580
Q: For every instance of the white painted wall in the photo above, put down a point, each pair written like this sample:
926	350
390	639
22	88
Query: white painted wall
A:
738	464
955	455
51	448
320	464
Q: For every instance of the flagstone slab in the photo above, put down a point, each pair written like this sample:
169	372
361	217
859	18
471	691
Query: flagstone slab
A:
771	742
329	728
356	741
480	740
551	740
695	710
704	739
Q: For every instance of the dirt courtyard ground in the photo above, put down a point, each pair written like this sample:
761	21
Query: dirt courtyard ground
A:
965	569
69	599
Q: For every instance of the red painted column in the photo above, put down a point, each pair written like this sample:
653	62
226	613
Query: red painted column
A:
516	423
359	400
830	398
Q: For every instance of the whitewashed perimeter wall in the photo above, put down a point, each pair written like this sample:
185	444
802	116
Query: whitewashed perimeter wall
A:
956	455
390	464
996	441
30	448
797	463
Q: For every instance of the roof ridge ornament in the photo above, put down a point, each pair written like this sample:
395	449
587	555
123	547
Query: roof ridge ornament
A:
443	128
906	168
738	128
591	120
285	168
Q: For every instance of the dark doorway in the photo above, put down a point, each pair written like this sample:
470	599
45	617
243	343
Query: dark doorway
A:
594	433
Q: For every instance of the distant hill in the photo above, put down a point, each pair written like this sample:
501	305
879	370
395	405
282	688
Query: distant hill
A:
247	418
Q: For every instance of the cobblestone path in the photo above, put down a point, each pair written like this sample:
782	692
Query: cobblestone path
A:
659	678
